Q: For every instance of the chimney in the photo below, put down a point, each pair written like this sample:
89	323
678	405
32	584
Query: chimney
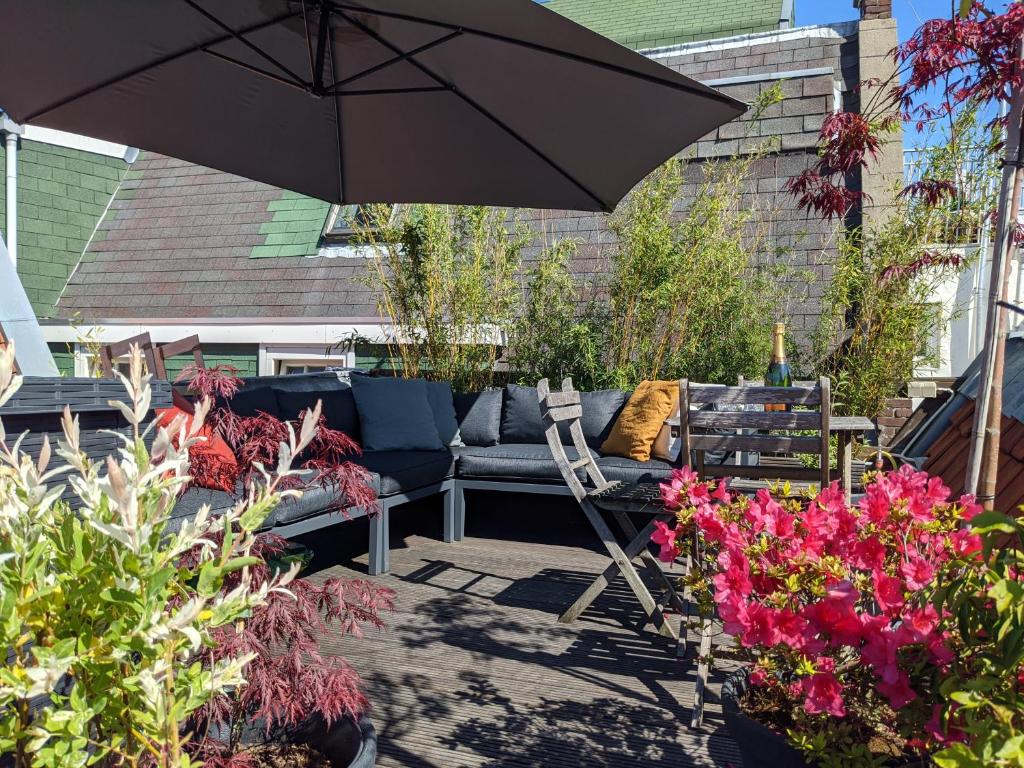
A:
876	38
874	9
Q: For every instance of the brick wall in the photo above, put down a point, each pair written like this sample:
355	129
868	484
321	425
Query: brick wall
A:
895	414
62	194
817	68
875	9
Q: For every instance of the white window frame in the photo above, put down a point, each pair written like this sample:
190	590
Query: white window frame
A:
273	359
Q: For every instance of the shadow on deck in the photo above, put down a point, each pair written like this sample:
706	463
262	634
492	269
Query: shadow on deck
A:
475	670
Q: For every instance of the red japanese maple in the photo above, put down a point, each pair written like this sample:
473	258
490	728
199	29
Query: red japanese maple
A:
289	678
972	61
256	441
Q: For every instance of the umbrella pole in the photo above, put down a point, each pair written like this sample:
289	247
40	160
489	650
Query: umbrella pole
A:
983	465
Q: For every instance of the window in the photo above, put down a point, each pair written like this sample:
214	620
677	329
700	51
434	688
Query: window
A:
344	222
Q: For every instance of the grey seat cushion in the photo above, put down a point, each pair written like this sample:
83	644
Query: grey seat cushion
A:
314	500
337	405
479	416
400	471
516	461
632	471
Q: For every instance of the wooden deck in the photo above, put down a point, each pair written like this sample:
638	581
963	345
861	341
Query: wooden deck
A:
475	670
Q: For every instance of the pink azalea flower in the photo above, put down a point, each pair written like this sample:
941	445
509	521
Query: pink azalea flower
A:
899	693
758	677
920	623
759	626
944	732
917	572
721	492
709	525
939	652
881	651
824	694
888	592
868	554
971	508
665	537
836	616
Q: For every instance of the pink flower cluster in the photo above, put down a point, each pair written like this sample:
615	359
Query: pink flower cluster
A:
818	591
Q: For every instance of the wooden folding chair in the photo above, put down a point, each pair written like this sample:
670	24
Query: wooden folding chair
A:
620	500
185	346
109	353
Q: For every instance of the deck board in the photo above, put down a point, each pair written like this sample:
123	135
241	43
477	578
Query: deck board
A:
475	670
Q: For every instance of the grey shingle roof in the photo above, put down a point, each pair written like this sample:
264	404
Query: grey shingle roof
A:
178	242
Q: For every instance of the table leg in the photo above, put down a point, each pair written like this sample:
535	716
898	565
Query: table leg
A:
844	458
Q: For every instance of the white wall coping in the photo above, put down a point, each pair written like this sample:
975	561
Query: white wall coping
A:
76	141
838	31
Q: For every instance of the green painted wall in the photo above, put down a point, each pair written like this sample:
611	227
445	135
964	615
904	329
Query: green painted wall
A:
62	194
64	358
243	356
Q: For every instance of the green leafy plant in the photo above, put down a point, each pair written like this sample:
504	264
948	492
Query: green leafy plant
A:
982	723
446	277
102	619
692	288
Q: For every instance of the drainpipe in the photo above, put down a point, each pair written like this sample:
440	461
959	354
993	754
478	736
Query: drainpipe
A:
11	132
786	16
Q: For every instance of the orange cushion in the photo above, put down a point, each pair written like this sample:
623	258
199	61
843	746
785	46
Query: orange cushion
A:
213	463
638	425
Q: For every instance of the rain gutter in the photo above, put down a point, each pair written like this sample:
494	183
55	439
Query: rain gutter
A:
11	132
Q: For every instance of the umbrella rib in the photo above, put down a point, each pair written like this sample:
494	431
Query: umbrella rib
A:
337	111
241	38
703	91
478	107
309	42
256	70
377	67
151	65
390	91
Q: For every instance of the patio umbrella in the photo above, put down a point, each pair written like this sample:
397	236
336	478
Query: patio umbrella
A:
498	102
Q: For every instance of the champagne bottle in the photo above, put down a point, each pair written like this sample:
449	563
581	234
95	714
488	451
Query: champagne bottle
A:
778	374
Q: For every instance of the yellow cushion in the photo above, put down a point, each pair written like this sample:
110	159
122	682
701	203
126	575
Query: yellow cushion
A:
640	421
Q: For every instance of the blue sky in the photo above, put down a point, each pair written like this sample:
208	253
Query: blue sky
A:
909	13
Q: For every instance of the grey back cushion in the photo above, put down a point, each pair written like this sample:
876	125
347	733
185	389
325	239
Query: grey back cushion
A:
520	416
395	414
479	416
442	403
337	405
521	421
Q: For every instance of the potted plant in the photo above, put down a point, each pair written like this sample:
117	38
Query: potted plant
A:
830	606
298	703
101	619
297	700
979	721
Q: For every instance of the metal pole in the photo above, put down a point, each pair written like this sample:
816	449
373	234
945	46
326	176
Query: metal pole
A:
984	453
11	214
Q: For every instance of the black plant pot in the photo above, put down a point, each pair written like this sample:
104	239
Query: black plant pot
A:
346	743
760	746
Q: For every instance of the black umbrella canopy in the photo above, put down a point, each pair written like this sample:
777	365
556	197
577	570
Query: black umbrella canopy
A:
497	102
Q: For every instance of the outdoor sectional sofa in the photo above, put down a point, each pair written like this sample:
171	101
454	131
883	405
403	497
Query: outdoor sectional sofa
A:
503	449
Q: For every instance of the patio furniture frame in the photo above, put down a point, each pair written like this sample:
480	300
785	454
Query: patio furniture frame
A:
109	353
187	345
